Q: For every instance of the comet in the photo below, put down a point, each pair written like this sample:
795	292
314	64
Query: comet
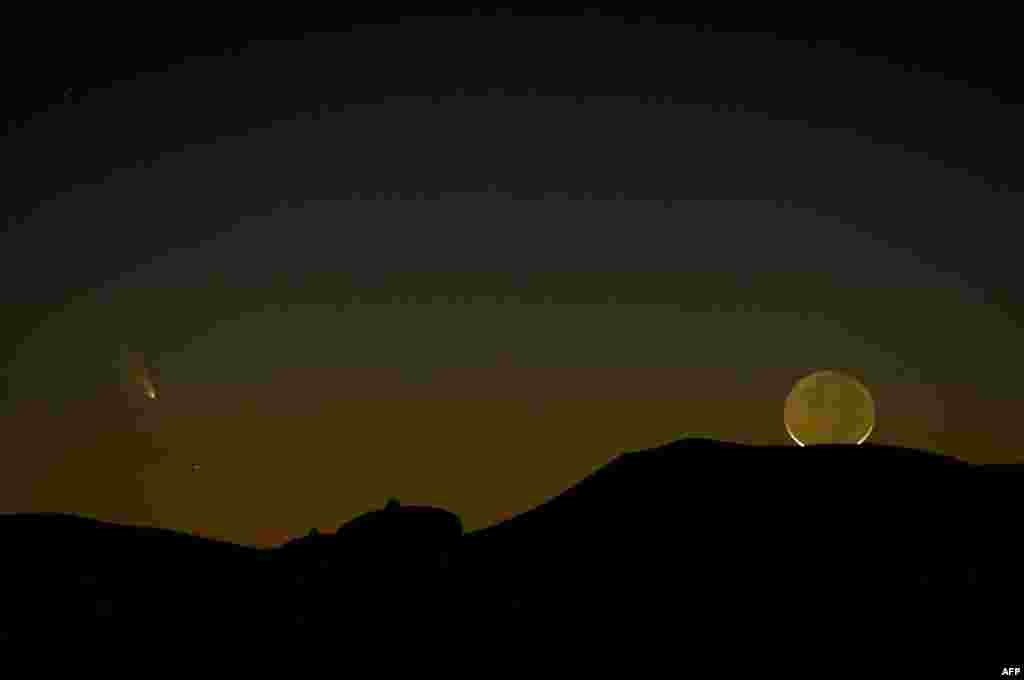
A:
137	374
147	387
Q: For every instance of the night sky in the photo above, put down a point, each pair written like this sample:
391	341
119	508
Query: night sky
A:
465	262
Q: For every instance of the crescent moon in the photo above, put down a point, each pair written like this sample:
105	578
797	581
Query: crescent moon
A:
829	407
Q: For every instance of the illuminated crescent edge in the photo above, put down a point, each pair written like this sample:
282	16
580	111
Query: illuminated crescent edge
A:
790	433
871	425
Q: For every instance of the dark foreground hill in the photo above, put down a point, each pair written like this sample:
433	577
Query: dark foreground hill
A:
699	549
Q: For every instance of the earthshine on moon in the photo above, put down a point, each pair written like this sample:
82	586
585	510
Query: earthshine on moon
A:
827	407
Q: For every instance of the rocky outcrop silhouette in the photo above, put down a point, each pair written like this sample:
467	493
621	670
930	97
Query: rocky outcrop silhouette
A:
409	527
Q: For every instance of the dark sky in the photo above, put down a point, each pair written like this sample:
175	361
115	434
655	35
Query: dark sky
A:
465	262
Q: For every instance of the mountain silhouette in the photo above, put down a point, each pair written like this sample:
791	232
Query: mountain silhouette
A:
740	546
